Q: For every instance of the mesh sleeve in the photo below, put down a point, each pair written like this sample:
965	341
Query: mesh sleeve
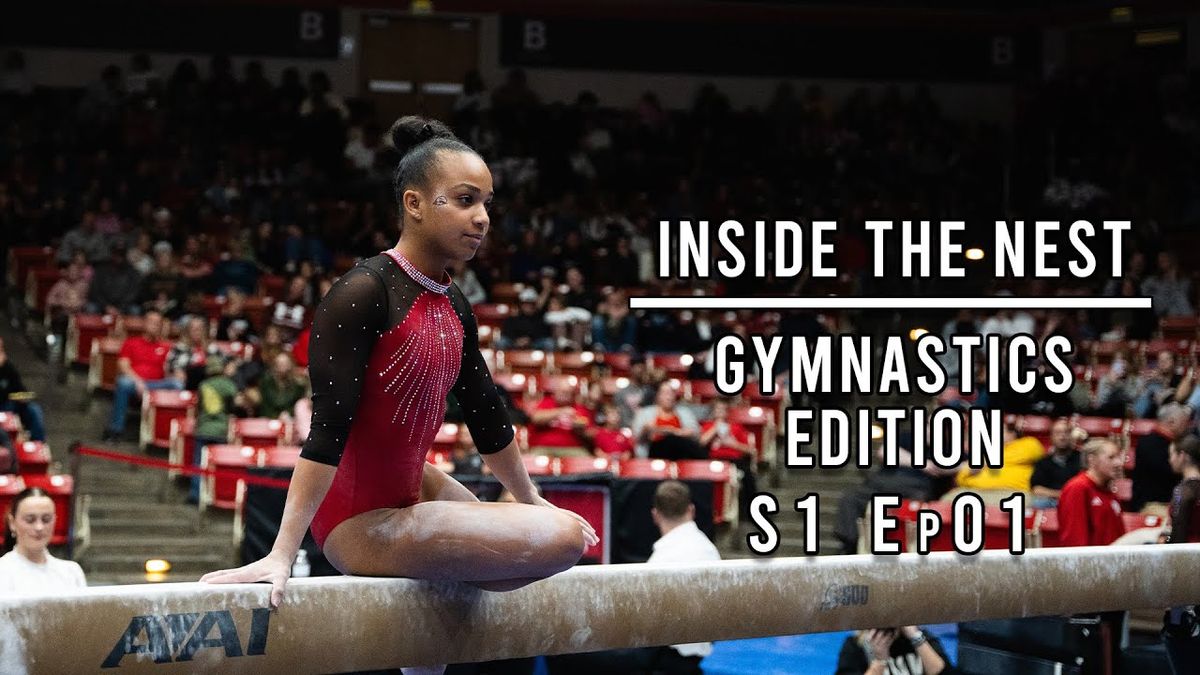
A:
482	406
348	321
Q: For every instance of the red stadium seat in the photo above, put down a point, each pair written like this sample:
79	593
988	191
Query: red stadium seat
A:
701	391
82	330
723	477
759	421
102	365
10	486
22	259
446	438
504	292
538	465
516	384
676	365
221	491
580	364
10	423
1101	426
260	432
281	456
1178	347
583	465
644	469
529	362
491	314
548	383
182	446
33	457
1178	327
1137	521
37	287
773	401
159	408
618	363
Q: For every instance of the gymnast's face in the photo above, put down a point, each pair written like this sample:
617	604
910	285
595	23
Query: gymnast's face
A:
33	523
451	214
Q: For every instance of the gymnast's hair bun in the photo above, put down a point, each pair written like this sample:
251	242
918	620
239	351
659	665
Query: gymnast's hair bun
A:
410	131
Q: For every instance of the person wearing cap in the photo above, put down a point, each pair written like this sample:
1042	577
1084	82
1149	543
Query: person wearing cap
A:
116	285
218	400
526	329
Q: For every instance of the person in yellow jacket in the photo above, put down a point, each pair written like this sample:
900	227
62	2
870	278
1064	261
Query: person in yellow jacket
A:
1020	454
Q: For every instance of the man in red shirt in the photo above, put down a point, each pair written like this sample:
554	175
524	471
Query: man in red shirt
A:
1088	512
141	367
558	425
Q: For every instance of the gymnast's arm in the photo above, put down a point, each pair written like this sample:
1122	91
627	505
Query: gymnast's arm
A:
487	418
347	323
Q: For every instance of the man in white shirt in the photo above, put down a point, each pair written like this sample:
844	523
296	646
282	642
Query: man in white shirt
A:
681	541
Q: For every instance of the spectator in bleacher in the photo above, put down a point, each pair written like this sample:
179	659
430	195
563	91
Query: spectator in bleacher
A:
234	324
559	425
526	329
614	329
1162	384
1117	391
1153	479
188	355
728	440
140	256
193	264
291	309
1062	463
84	239
163	287
1019	455
108	222
236	269
68	295
468	282
28	567
884	651
667	430
219	398
141	367
464	455
115	286
568	325
611	440
15	398
1170	290
1088	511
1185	499
280	388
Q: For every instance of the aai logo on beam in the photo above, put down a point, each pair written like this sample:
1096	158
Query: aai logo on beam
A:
176	638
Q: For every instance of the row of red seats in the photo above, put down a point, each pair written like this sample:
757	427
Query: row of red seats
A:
1127	432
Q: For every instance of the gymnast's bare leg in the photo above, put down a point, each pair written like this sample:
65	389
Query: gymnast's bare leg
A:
451	535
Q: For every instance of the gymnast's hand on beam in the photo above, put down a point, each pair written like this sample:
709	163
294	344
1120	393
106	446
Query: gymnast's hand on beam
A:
589	532
273	569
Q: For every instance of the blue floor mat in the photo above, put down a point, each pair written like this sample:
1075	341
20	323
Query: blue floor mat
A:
798	654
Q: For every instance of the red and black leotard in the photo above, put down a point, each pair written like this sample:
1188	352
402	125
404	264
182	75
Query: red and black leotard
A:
388	344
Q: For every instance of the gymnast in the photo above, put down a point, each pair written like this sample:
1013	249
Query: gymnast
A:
391	339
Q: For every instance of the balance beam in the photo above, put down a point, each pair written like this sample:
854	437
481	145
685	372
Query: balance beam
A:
340	624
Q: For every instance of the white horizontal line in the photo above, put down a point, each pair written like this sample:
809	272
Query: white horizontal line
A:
685	302
390	87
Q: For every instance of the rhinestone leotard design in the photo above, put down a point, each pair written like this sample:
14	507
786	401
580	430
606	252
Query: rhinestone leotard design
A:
388	344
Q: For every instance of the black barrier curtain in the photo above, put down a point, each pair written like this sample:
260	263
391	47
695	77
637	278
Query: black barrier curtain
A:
633	531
